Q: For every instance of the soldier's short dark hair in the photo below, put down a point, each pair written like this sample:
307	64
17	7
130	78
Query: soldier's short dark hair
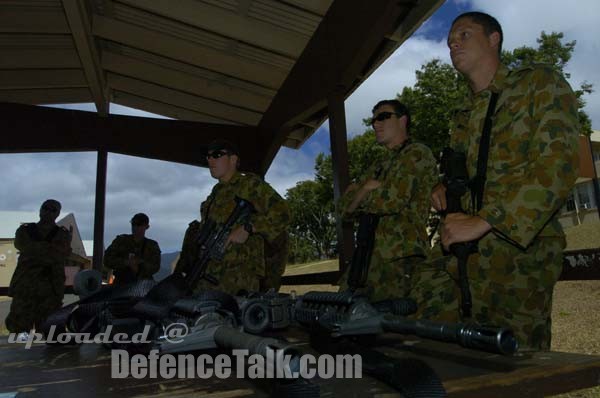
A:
399	108
52	203
140	219
489	24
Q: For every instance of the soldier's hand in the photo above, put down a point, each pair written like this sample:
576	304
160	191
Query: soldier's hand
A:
460	227
134	263
239	235
371	184
351	187
438	197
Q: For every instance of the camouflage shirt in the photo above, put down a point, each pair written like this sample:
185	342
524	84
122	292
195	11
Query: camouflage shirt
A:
42	255
243	264
532	163
403	201
146	251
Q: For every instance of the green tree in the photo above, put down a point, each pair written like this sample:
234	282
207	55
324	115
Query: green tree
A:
312	217
434	97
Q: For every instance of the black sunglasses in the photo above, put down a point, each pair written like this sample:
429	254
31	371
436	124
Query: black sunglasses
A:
216	154
384	116
50	208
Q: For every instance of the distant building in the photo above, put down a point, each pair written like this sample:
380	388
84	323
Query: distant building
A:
11	220
582	204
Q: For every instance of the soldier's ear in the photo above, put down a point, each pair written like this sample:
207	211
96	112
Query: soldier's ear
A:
494	39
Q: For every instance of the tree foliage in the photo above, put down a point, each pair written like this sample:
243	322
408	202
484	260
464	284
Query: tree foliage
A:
312	221
434	97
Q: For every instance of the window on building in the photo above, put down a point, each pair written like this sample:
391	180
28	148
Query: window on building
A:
570	206
583	197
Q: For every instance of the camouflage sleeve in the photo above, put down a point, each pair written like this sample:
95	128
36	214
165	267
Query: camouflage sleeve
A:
272	215
415	165
55	251
188	247
151	259
519	208
347	197
117	254
345	200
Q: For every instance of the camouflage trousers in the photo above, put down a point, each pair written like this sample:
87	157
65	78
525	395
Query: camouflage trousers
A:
509	287
32	304
387	279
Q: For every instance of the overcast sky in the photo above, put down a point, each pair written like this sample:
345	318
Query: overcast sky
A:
171	193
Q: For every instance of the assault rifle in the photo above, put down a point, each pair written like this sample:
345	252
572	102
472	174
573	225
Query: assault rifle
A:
211	246
349	314
456	179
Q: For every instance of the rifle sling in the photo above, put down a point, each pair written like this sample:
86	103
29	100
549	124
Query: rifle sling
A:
476	185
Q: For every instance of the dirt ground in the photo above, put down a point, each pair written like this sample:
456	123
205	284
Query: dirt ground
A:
576	323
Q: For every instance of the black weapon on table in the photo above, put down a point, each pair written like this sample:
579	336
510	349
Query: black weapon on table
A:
211	246
261	312
456	179
217	326
344	314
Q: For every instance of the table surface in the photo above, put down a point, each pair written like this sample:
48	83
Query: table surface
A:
74	371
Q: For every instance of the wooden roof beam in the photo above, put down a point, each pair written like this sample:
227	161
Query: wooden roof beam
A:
189	52
41	129
80	25
161	108
148	71
42	78
183	100
227	24
47	96
338	51
32	19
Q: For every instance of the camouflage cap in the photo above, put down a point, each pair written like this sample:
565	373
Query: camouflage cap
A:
140	219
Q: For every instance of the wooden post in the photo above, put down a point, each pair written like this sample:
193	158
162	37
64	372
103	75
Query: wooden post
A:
341	178
595	179
99	209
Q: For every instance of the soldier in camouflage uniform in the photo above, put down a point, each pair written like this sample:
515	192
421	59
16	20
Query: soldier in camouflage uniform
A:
133	257
243	266
531	169
398	191
38	283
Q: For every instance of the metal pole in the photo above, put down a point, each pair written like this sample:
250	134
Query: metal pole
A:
99	209
341	177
